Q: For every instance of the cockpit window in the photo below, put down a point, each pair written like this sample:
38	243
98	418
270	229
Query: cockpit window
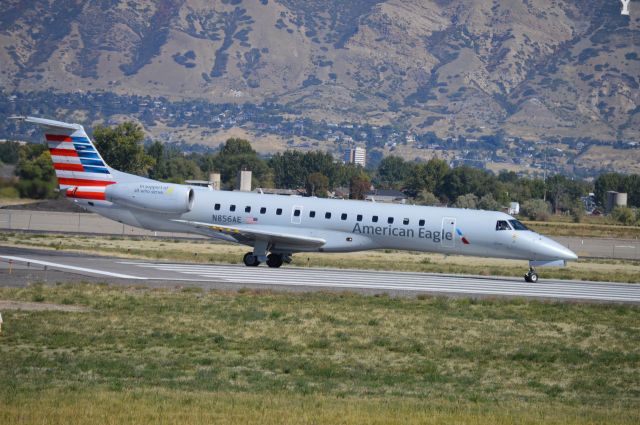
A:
517	225
502	225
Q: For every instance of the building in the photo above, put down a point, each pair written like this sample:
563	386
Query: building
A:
244	181
386	195
615	199
214	181
356	155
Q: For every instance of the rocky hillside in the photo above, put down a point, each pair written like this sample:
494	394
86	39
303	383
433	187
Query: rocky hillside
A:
532	68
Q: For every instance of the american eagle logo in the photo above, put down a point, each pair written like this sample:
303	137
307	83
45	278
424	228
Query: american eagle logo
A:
464	240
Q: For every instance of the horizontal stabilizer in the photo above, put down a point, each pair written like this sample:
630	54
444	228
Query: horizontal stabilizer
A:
48	123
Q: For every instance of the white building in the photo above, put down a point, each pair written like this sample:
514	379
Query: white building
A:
357	156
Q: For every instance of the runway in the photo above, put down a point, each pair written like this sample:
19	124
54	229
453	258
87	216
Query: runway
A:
124	271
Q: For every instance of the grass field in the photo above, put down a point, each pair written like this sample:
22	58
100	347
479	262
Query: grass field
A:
137	355
207	252
596	227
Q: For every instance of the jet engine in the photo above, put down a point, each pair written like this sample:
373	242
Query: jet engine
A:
152	196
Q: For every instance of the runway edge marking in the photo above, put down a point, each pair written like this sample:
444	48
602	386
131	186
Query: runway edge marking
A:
68	267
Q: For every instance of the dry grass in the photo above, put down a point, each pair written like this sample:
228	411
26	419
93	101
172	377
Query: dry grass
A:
596	227
149	356
207	252
622	160
196	407
7	202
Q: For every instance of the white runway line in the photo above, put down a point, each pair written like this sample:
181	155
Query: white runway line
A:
407	281
67	267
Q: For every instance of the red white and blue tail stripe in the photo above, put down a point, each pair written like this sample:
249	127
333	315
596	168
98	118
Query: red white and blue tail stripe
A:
80	169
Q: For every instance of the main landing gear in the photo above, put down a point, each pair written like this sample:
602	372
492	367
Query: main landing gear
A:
273	260
531	275
250	260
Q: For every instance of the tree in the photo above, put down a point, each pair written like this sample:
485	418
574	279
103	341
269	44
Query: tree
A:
426	176
121	147
235	146
178	169
234	156
317	185
577	211
466	201
157	152
9	152
563	192
288	169
536	209
464	180
359	186
427	198
36	173
488	203
393	171
604	183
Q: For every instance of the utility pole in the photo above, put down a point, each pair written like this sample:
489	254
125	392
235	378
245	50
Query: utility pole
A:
544	176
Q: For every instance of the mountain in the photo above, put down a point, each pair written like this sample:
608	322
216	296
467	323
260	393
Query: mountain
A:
532	69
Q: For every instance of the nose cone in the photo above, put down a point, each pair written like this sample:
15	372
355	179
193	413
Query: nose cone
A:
552	250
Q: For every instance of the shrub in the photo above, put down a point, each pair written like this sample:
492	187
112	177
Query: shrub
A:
536	209
624	215
9	192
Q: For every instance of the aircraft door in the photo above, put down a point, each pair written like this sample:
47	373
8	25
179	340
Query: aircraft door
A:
448	232
296	214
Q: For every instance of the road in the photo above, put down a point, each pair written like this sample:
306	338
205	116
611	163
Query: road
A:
62	265
94	224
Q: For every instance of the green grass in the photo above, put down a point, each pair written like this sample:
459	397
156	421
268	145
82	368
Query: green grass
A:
140	355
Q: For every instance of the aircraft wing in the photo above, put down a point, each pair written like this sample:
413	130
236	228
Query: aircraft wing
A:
243	234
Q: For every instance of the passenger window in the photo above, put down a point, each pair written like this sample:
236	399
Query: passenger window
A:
232	208
327	215
390	220
216	207
359	217
279	211
374	218
343	216
312	214
502	225
421	222
296	213
247	209
405	221
263	210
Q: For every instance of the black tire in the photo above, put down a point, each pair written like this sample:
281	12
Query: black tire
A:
274	260
250	260
526	278
533	277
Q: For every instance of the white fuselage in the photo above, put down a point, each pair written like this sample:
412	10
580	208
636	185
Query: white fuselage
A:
348	225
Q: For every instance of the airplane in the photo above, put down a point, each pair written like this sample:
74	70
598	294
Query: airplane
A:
277	226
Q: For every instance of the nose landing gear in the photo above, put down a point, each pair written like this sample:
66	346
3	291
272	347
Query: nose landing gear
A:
531	275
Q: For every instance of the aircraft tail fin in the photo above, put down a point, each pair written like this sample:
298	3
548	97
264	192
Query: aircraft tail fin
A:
77	162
